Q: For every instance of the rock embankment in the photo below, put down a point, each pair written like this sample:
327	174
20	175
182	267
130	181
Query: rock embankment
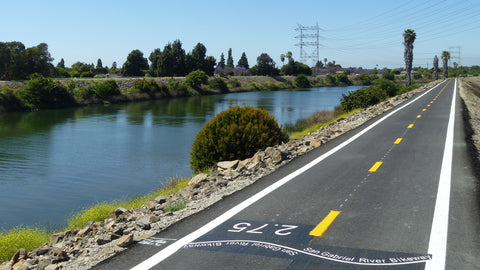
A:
85	247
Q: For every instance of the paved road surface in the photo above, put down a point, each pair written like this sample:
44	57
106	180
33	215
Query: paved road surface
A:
396	193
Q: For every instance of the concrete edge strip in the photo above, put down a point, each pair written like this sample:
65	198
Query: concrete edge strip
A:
437	245
174	247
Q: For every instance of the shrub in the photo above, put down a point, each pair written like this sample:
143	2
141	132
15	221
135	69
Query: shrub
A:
44	93
236	133
74	74
84	92
362	98
301	81
176	87
148	86
342	79
196	78
330	79
270	86
87	74
388	86
9	101
20	237
233	82
107	89
364	79
388	75
218	83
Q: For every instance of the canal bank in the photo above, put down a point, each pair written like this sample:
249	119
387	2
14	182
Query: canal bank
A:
56	162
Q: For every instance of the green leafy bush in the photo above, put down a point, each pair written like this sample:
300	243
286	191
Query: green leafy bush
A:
388	86
84	93
218	83
44	93
302	81
176	88
196	78
233	82
236	133
9	101
107	89
362	98
364	79
388	75
149	86
87	74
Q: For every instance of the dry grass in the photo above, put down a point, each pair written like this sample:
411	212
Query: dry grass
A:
472	84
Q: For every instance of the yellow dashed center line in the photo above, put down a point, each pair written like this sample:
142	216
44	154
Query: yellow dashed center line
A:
325	223
376	166
424	110
431	101
398	141
428	105
410	126
418	116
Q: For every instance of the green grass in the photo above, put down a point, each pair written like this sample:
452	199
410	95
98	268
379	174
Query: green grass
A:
21	237
175	206
31	238
101	211
316	126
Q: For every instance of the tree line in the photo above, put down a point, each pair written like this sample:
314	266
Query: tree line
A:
18	63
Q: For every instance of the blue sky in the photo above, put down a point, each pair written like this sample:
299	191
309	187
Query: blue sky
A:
354	33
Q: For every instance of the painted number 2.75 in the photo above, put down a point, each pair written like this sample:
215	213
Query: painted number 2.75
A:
279	229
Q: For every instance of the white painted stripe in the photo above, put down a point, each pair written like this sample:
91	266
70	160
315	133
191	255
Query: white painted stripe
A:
437	245
174	247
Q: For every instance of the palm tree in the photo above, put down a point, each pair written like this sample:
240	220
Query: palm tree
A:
408	39
289	57
445	57
325	60
282	58
435	68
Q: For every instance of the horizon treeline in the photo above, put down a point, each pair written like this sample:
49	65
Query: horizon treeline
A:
19	63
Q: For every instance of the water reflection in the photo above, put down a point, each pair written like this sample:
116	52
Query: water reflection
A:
59	161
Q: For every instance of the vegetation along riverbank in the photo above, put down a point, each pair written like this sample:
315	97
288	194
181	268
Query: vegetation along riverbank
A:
46	93
376	92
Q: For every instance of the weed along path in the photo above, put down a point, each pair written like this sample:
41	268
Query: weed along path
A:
383	196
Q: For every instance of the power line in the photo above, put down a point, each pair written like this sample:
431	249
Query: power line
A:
309	37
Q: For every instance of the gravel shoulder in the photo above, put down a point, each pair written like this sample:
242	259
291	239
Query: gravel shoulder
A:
469	89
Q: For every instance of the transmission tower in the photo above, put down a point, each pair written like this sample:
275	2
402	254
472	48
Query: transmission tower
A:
455	50
309	38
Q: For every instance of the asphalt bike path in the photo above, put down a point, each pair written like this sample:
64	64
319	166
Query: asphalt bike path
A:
366	200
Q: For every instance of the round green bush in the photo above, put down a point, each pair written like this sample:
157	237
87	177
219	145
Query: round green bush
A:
218	84
301	81
107	89
236	133
196	78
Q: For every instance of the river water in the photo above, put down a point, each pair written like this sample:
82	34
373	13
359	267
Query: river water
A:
56	162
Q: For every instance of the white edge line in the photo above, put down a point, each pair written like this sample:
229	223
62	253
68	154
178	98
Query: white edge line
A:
437	245
316	255
174	247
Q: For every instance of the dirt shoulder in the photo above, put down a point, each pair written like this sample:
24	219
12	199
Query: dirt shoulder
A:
470	93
